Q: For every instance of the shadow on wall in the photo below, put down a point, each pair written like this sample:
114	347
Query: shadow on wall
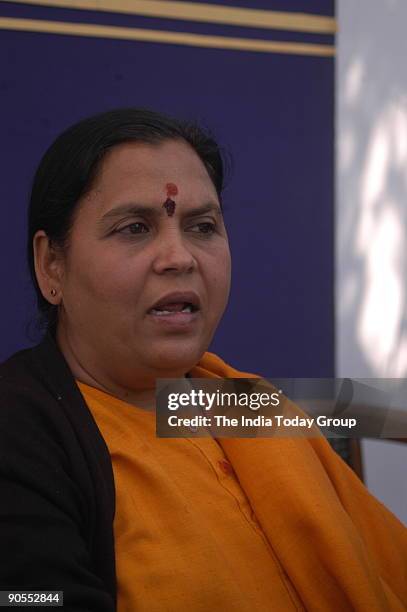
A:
371	249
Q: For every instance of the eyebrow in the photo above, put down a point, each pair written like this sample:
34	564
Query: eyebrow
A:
154	212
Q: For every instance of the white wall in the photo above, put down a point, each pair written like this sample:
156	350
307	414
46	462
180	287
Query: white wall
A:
371	217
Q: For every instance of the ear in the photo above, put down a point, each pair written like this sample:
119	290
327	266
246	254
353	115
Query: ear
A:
48	264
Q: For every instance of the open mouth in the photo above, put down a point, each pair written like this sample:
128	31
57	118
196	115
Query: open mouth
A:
178	305
173	308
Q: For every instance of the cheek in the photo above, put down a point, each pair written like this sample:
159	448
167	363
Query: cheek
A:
105	277
220	278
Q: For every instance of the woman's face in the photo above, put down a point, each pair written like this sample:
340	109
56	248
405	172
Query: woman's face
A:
128	251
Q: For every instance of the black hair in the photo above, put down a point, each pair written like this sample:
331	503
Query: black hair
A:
71	163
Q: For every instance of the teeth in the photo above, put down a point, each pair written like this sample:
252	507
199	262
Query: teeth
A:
160	312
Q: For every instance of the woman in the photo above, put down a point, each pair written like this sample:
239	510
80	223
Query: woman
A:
130	260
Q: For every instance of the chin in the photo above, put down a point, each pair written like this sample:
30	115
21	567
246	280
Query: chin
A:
178	360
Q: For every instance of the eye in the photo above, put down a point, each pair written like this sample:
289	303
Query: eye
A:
134	228
204	228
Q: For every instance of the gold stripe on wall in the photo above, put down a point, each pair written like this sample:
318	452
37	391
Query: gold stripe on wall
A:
209	13
160	36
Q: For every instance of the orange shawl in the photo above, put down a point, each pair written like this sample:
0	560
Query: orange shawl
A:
340	547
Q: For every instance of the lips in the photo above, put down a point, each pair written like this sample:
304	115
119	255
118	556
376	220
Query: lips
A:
177	301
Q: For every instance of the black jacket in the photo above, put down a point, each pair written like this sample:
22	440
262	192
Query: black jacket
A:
57	494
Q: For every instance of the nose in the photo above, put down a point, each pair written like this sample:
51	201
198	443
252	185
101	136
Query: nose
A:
173	254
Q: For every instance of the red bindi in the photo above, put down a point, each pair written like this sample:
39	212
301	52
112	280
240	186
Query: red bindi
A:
172	189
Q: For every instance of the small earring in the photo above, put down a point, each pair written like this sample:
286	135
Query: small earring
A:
53	292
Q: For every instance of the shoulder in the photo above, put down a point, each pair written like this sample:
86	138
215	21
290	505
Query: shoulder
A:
29	370
16	370
23	390
43	412
39	379
46	429
41	409
33	428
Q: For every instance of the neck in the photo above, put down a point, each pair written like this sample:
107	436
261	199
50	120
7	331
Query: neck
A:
142	395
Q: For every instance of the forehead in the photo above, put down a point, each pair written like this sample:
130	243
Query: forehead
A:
149	168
